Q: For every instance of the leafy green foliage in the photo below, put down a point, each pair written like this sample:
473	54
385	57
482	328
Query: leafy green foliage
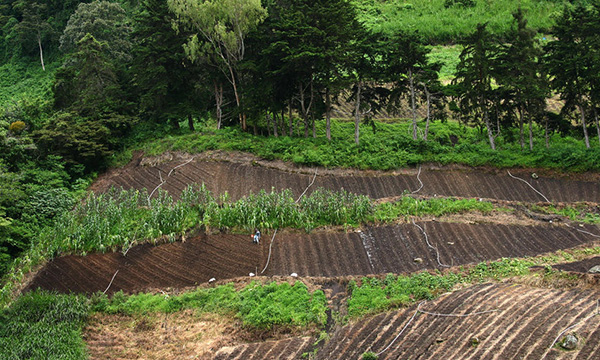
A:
259	306
103	20
445	21
369	355
375	295
265	306
40	325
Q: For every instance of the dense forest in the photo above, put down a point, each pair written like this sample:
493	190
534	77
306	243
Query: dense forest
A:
82	81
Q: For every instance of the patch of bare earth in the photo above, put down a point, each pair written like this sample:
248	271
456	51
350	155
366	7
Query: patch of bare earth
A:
183	335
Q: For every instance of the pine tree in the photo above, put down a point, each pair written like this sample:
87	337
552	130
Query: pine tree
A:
473	81
523	88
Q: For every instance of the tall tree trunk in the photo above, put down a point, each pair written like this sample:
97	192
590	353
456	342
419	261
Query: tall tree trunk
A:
412	102
275	132
282	124
488	125
583	124
428	95
547	135
306	108
238	101
529	119
357	113
328	113
303	109
290	116
597	122
39	39
219	102
521	137
191	122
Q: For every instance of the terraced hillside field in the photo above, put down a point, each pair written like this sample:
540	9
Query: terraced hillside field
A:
239	178
374	250
519	321
523	324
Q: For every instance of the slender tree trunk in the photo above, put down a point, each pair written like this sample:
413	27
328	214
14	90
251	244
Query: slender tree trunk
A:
218	102
39	39
357	113
547	135
306	108
303	109
238	101
282	124
191	122
521	138
175	123
583	124
428	95
275	132
597	122
488	125
529	119
412	102
290	116
328	113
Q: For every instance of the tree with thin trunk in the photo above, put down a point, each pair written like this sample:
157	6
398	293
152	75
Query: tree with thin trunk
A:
572	60
221	28
473	81
33	27
524	89
406	59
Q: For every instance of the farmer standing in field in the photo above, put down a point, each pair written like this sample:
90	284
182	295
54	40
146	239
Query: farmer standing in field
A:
256	236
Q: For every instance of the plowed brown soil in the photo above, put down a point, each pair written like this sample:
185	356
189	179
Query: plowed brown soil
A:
240	176
173	265
580	266
524	325
374	250
289	349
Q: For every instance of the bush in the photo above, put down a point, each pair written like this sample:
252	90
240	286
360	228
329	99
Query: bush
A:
16	127
369	355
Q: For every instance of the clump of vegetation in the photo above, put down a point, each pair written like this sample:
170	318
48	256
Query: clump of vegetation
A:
41	325
369	355
577	212
259	306
375	295
408	206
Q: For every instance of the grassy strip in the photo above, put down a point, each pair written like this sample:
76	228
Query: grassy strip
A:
579	212
43	326
374	295
258	306
408	206
389	147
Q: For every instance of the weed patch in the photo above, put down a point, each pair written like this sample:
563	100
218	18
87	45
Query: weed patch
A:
40	325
